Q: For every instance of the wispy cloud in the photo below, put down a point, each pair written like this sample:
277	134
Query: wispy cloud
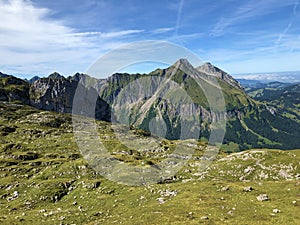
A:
29	37
108	34
251	10
179	14
295	7
163	30
286	30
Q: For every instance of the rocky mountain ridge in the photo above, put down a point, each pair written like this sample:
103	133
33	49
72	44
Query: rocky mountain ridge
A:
212	70
249	123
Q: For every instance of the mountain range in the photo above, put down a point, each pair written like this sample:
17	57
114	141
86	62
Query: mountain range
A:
266	120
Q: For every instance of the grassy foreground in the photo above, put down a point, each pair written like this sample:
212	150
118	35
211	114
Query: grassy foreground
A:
45	180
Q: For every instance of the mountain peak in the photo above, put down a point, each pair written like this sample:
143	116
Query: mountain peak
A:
183	62
210	69
78	76
207	67
33	79
55	75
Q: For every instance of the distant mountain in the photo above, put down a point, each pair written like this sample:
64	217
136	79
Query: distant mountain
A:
33	79
285	98
55	75
251	85
250	123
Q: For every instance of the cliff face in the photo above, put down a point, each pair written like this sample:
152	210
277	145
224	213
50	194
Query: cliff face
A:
57	94
53	94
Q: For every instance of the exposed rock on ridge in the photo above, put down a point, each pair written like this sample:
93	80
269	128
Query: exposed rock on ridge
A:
210	69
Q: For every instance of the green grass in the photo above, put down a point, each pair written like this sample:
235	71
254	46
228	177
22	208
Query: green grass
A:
40	162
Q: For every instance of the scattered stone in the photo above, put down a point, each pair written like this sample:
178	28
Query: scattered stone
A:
168	193
294	202
248	189
161	200
248	169
284	174
14	196
74	203
263	175
225	188
191	215
276	211
97	213
9	187
262	197
62	218
204	218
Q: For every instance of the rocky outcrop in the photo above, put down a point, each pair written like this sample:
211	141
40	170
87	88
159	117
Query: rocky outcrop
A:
212	70
53	94
56	93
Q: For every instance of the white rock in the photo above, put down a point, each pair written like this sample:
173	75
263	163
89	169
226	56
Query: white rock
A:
276	211
161	200
262	197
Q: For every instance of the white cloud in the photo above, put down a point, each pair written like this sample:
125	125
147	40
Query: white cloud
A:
283	76
29	37
108	34
179	15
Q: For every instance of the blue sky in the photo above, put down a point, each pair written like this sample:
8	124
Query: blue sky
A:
38	37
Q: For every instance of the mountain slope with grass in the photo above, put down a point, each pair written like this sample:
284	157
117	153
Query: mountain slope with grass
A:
44	179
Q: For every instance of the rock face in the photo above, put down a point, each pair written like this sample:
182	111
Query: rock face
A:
56	93
215	71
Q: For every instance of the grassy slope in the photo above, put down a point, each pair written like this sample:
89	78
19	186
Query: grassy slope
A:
54	185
